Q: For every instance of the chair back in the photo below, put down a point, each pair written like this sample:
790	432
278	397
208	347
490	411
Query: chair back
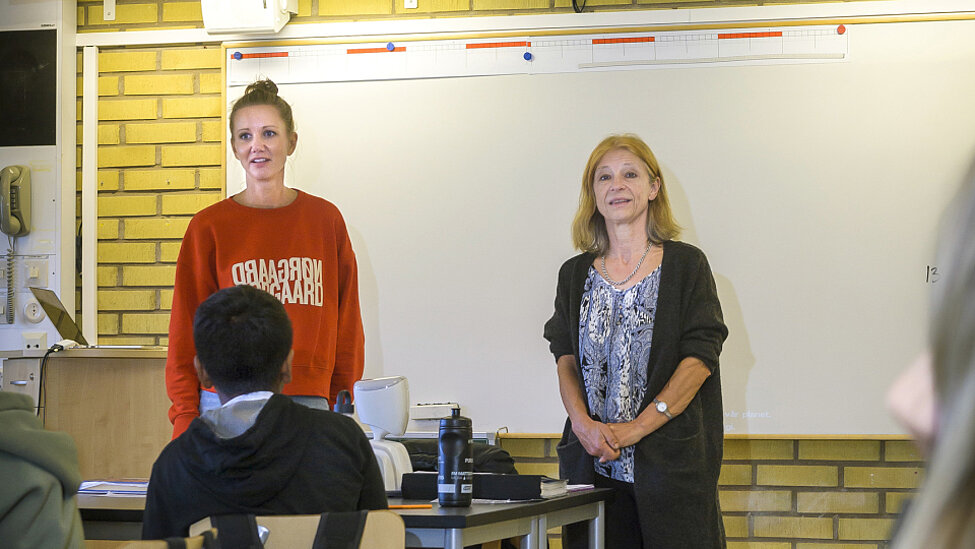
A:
203	539
381	529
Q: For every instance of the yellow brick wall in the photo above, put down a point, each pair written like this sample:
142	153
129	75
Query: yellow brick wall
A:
159	162
174	14
789	493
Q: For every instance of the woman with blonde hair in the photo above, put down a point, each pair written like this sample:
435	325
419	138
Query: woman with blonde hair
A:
935	397
636	335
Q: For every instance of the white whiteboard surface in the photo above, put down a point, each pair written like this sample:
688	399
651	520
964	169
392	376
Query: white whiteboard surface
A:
814	189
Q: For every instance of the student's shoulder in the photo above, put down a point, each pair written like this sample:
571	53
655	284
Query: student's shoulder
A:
337	422
336	431
195	436
323	419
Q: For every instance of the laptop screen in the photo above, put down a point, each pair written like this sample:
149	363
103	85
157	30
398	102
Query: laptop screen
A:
63	323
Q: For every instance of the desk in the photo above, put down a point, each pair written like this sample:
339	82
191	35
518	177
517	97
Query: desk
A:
120	517
112	402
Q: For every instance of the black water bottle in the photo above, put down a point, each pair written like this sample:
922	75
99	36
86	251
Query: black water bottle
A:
455	461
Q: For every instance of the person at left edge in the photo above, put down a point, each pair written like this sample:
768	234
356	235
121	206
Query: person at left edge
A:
291	244
39	480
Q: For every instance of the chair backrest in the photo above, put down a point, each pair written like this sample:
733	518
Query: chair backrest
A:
383	530
205	538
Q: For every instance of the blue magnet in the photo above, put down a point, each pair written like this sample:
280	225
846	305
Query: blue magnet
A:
238	56
390	46
528	56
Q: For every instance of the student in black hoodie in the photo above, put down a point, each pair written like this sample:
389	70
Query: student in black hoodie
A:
259	453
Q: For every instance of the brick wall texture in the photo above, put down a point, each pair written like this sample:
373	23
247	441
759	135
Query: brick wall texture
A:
789	493
160	160
160	154
155	14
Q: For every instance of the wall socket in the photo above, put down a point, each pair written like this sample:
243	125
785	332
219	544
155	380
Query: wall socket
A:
33	311
409	4
35	343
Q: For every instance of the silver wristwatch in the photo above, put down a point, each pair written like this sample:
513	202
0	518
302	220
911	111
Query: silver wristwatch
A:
662	408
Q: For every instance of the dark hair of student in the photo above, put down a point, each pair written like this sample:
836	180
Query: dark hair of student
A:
242	336
264	92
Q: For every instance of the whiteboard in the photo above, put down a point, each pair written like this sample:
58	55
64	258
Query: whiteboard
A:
814	189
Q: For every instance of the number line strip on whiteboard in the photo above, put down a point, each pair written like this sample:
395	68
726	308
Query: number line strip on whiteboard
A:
263	55
522	44
375	50
525	44
649	49
735	35
633	40
768	57
475	46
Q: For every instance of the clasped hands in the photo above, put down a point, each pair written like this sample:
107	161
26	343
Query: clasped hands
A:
604	440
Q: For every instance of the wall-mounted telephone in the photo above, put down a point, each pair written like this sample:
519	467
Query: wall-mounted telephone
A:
15	200
14	221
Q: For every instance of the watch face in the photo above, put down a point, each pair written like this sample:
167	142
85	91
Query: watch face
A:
661	407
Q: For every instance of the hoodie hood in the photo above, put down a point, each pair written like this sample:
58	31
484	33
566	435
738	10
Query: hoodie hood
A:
22	435
249	469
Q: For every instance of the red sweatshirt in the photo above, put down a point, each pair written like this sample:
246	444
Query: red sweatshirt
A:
302	255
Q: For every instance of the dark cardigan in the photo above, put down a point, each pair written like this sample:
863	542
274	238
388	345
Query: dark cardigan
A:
676	466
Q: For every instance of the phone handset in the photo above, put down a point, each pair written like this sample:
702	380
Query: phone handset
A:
15	200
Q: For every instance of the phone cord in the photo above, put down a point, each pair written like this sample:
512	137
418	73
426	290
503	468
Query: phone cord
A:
9	270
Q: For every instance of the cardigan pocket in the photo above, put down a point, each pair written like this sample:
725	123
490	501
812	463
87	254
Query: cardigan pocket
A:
575	464
687	425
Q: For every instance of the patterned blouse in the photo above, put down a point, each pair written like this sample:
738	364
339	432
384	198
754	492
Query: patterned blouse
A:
615	329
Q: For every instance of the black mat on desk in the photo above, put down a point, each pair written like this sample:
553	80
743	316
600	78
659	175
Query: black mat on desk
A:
487	458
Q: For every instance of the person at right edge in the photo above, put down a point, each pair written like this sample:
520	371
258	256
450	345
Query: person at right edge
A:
934	399
636	334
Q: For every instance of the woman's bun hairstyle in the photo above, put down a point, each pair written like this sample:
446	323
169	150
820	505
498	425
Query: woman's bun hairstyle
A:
262	88
264	92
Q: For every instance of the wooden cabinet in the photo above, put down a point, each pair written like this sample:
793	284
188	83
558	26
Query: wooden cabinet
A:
111	401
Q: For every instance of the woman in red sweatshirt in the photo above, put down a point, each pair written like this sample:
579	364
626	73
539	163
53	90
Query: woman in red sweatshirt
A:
291	244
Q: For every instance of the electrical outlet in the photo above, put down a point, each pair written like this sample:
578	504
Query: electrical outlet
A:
35	343
436	410
409	4
33	311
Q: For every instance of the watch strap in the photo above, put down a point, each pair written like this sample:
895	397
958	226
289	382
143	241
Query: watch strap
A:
665	411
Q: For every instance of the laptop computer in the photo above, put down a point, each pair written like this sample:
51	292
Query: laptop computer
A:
63	323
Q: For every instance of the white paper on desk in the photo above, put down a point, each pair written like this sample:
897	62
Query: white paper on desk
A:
503	500
578	487
114	488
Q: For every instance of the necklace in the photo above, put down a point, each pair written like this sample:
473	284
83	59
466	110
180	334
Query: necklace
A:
628	277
